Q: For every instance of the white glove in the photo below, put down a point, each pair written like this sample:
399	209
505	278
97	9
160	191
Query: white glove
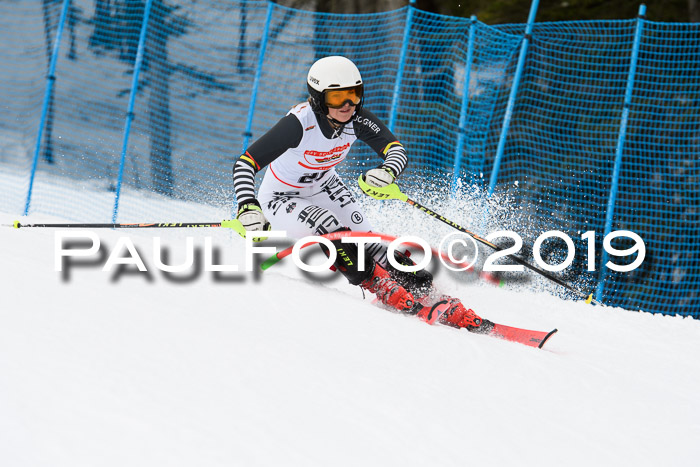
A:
379	178
253	220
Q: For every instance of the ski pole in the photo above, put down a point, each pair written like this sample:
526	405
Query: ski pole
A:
234	224
142	225
394	192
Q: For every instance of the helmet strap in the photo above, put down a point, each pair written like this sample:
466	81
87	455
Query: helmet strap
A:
337	123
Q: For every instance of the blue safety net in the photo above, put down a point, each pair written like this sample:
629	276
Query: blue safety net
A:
146	101
567	133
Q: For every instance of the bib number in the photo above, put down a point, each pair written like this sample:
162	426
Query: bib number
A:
311	177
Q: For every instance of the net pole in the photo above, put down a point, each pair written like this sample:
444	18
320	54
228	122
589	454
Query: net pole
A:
130	110
512	96
619	149
50	79
465	105
402	63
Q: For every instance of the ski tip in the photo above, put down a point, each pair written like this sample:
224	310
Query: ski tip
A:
546	338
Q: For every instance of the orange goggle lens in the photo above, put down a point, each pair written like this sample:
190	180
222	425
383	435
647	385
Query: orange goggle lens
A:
337	98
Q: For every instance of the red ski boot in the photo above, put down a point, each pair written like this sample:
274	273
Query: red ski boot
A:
387	290
460	317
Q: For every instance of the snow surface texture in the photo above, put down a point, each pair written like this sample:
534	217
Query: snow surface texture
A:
149	369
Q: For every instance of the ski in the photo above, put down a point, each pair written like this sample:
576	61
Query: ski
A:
431	315
509	333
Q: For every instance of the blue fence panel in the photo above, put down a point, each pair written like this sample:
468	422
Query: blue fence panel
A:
217	74
561	144
658	195
432	92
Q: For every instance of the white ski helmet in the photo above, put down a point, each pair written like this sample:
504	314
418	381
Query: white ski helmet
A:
330	74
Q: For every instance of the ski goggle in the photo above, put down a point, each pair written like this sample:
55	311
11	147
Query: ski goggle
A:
336	98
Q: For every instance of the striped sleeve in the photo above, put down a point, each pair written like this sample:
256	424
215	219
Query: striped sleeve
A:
395	157
287	133
372	131
244	171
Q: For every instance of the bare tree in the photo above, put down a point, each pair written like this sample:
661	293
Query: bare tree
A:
345	6
693	11
127	15
48	128
50	7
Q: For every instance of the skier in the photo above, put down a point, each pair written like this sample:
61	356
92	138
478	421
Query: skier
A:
302	194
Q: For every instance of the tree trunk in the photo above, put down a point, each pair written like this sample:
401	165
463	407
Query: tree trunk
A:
693	11
159	116
242	37
48	128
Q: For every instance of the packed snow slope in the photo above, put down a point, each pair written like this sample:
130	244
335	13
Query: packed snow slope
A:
127	368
